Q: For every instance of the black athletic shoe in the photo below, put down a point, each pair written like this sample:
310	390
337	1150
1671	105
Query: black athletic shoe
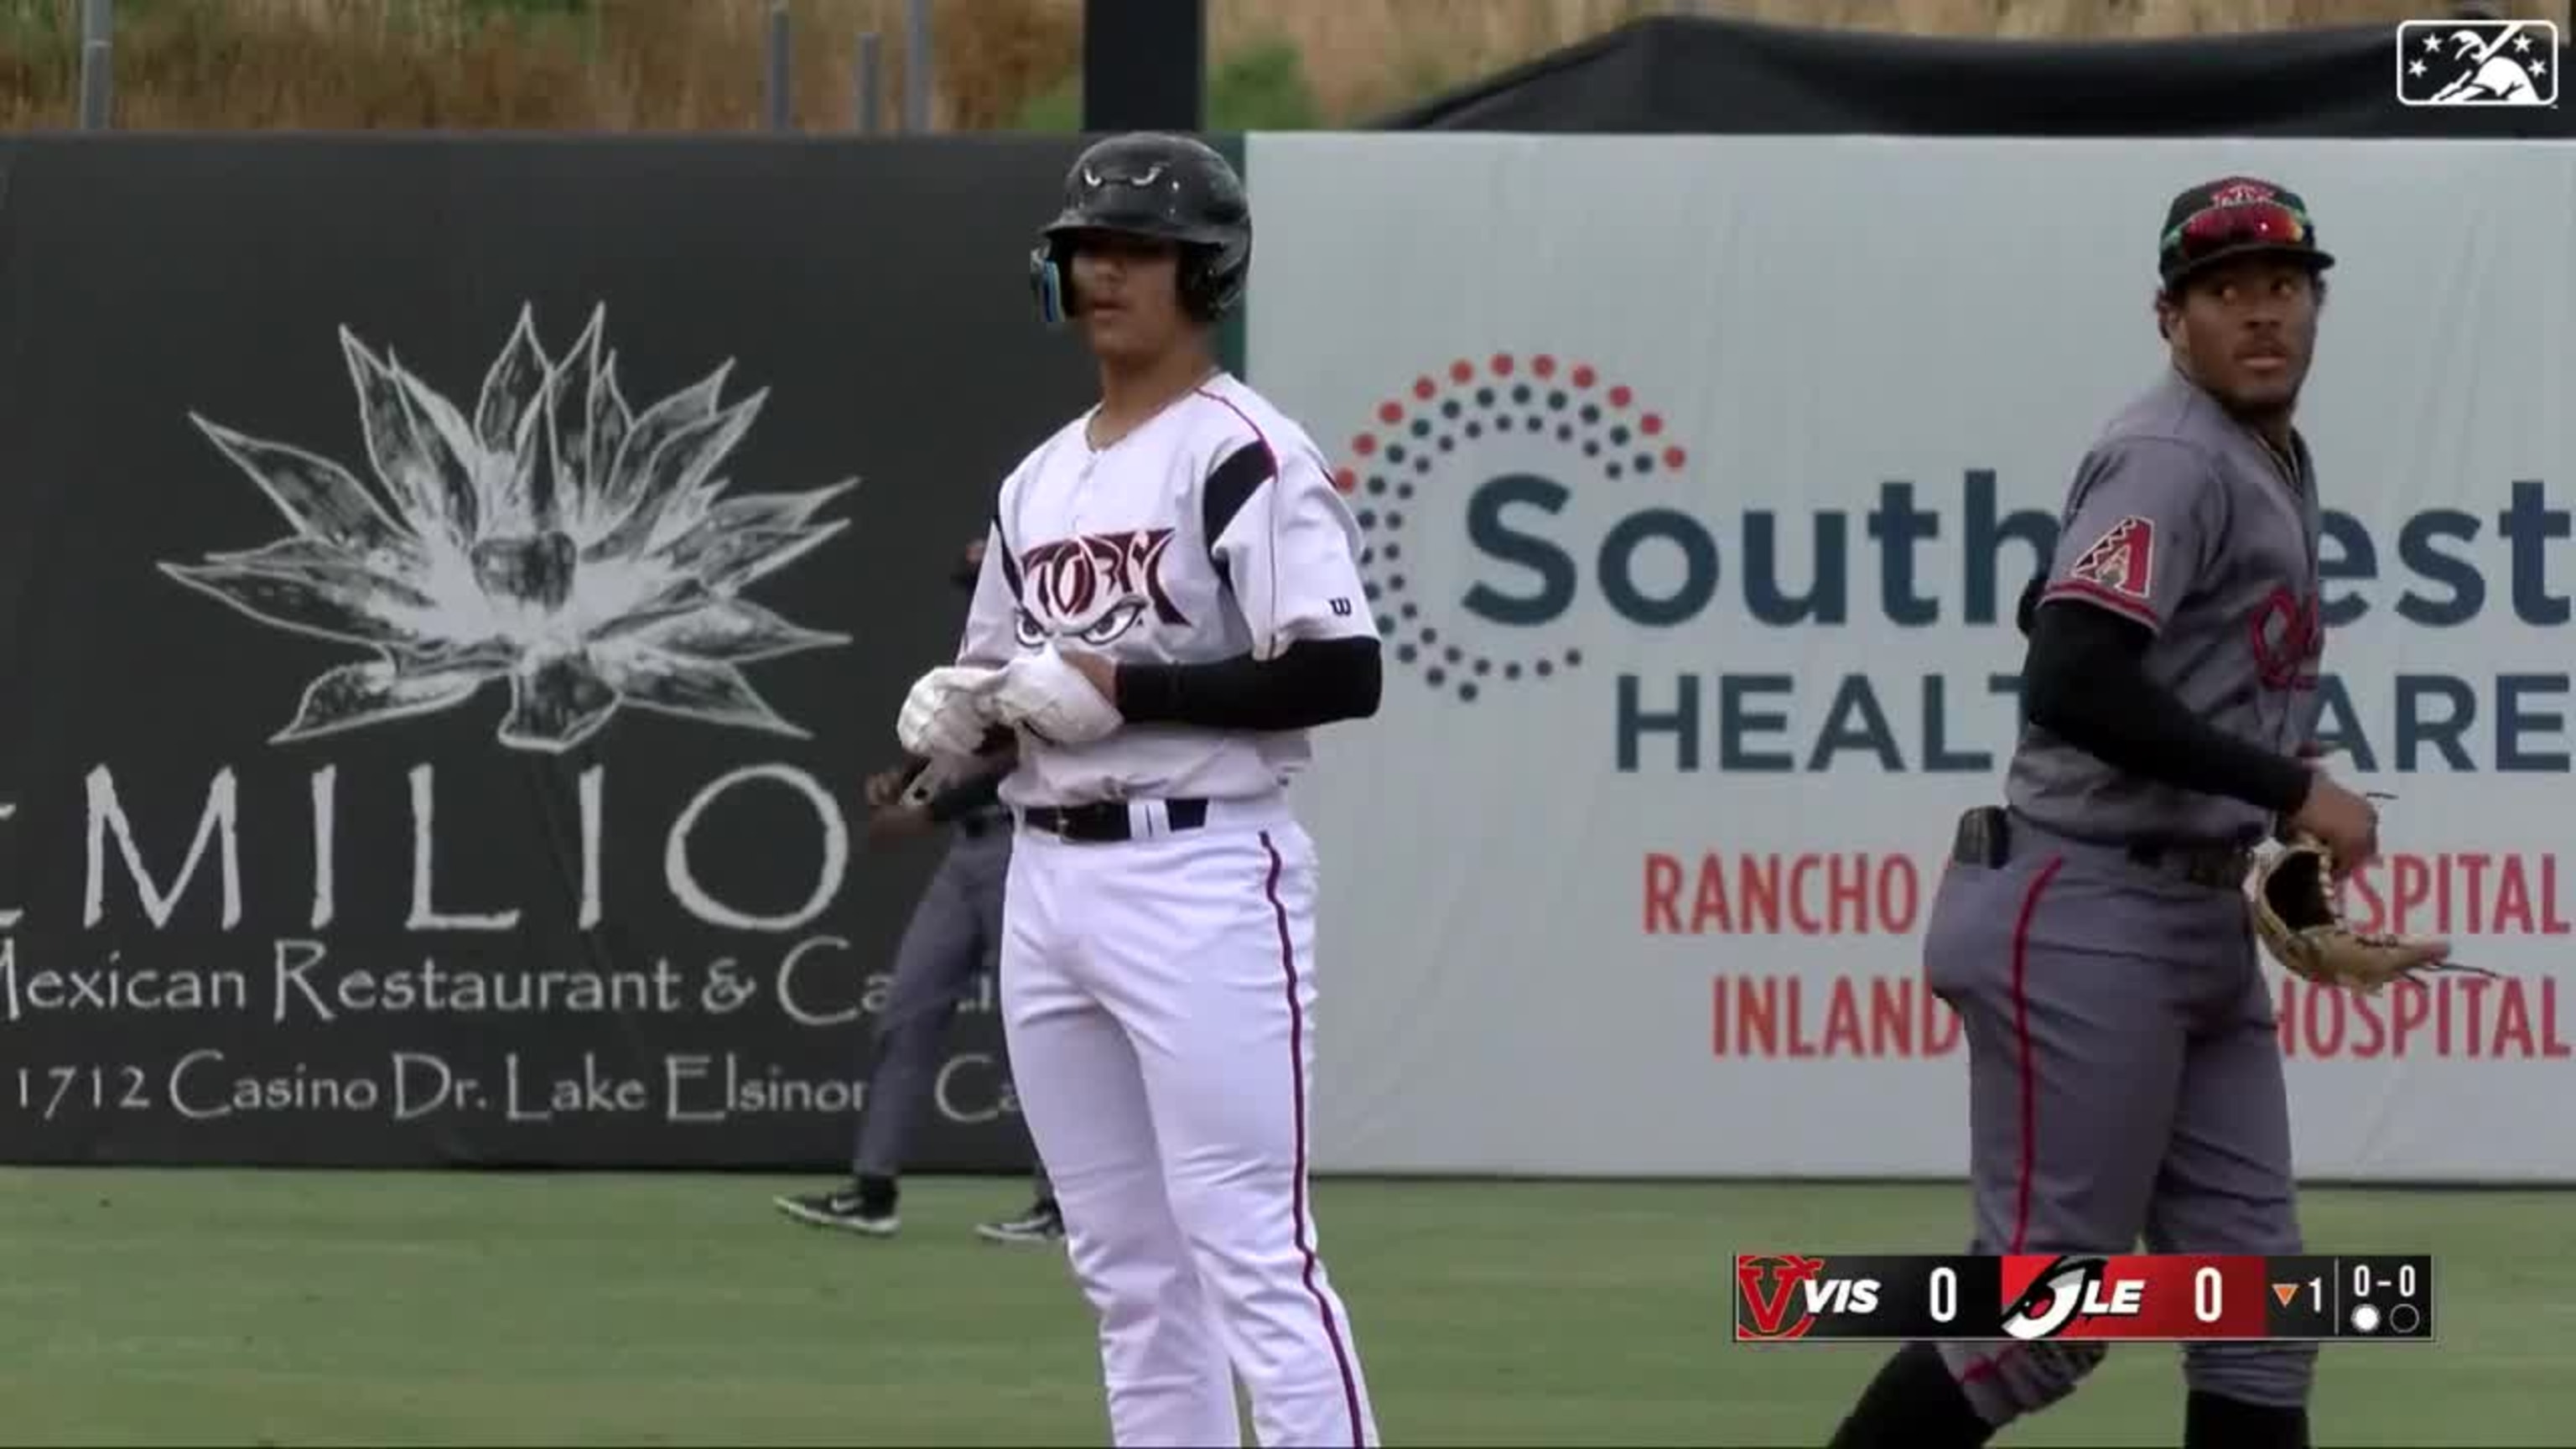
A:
1040	1224
849	1209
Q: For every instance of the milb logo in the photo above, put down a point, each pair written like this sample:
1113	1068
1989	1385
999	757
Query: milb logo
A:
2449	63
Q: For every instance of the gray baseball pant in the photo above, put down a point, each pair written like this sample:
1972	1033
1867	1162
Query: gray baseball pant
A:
2125	1082
955	934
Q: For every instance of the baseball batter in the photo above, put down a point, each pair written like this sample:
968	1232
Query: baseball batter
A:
1169	602
2125	1079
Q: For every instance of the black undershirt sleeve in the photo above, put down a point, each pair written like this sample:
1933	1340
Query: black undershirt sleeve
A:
1311	682
2086	682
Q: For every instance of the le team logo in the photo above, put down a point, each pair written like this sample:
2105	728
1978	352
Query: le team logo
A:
2136	1297
2068	1297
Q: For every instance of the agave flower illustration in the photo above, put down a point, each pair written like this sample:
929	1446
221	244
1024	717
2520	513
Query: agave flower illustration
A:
557	538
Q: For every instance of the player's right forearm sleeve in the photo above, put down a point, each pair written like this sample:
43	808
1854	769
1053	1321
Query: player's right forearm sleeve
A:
1311	682
2086	683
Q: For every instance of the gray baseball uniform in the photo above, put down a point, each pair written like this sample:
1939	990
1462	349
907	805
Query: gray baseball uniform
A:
954	935
2125	1079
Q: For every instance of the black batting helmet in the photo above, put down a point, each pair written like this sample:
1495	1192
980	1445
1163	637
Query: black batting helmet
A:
1152	184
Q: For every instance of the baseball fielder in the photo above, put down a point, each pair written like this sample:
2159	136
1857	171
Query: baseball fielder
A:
2124	1076
1169	602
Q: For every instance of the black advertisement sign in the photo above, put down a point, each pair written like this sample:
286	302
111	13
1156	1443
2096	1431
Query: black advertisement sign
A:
456	590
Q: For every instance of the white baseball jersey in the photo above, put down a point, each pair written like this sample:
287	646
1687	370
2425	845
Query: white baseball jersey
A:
1210	530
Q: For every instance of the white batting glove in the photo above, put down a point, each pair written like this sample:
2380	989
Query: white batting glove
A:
944	714
1049	698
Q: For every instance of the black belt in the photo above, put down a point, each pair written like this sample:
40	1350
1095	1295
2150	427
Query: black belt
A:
1107	821
2218	866
1985	838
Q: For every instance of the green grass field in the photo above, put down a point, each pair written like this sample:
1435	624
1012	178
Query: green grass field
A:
301	1308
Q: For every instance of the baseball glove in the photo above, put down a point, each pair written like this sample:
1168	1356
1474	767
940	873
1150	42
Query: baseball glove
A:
2295	913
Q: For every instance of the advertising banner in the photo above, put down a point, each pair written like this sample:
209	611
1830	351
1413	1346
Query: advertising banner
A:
1701	477
456	591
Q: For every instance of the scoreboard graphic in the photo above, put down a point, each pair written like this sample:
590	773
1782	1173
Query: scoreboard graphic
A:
2139	1298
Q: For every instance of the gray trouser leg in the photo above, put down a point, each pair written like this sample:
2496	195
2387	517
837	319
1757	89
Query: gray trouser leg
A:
954	933
2228	1184
2124	1082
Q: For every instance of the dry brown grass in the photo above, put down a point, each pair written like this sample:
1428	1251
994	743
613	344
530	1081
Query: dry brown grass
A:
698	64
663	65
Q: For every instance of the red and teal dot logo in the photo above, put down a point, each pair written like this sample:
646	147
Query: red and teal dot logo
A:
1474	434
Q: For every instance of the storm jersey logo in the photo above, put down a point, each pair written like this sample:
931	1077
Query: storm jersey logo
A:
1095	588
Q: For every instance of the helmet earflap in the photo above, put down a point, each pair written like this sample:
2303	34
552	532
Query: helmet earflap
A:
1211	279
1052	284
1208	289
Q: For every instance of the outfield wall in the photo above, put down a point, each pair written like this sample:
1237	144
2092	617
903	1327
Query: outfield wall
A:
457	589
1629	879
319	843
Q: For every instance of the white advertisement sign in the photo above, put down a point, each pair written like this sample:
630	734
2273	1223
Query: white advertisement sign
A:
1701	478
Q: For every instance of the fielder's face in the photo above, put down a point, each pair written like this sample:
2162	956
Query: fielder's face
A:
1128	289
2246	331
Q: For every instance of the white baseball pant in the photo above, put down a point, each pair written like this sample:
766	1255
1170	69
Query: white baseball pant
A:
1158	995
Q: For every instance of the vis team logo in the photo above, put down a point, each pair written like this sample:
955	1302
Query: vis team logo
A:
557	538
2477	63
1768	1290
1497	450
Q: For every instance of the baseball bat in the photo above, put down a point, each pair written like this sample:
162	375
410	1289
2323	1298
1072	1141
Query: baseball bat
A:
945	772
2493	46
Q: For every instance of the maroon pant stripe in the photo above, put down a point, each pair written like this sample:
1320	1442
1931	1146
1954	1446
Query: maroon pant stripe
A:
1297	1095
2029	1066
2029	1057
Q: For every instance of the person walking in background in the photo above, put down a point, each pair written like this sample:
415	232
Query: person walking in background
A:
954	936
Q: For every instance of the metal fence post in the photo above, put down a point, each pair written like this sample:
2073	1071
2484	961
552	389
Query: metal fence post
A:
98	65
916	67
782	68
870	61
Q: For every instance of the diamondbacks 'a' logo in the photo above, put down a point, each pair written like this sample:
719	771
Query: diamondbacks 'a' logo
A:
2122	561
2477	63
1094	588
1766	1288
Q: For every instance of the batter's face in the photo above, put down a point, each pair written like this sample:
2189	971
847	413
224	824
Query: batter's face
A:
1128	288
2246	330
